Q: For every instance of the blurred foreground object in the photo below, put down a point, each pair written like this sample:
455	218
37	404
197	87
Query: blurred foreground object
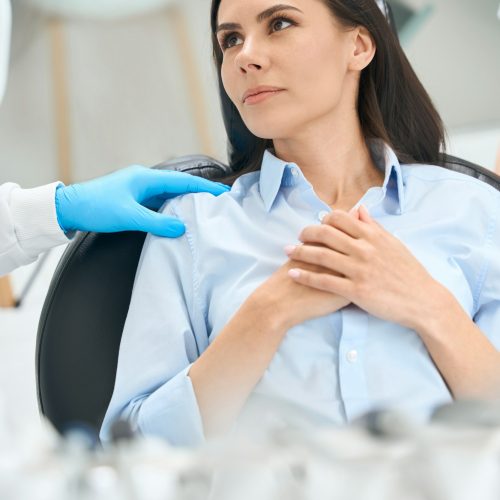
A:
385	455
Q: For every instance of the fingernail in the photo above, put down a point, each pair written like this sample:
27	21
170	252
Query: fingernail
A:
294	273
365	210
289	249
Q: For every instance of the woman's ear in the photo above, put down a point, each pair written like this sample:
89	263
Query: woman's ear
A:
363	49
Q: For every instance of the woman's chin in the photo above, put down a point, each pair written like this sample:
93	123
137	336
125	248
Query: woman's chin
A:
267	132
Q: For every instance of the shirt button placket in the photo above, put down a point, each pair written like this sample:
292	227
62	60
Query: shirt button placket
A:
351	370
352	356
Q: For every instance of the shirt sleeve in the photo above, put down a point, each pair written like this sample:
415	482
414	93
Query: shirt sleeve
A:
487	316
164	333
28	224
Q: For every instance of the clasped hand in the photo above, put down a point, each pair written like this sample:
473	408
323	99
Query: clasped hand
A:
366	265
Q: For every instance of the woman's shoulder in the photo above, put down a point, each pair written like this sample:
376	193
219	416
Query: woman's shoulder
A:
446	179
205	205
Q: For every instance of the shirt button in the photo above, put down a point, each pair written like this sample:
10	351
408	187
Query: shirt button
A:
322	214
352	356
294	171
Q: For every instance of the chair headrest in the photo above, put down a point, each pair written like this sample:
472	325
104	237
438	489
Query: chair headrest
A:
200	165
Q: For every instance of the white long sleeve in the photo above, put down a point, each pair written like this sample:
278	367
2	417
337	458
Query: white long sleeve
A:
5	29
28	224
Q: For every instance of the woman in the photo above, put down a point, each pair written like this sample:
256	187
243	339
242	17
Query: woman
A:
393	297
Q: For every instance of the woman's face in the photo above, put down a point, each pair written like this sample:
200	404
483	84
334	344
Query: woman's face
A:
300	48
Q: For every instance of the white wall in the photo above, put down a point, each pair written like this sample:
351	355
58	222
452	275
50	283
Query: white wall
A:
456	56
481	146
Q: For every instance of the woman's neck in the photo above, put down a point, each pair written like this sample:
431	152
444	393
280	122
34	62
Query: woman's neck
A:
339	168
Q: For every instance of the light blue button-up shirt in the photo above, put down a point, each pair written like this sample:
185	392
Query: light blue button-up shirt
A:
335	367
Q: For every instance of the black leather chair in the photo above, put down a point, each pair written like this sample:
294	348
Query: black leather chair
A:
83	316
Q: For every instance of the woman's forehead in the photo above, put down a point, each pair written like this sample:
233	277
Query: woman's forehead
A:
232	10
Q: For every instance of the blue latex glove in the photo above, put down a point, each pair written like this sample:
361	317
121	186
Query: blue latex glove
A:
121	201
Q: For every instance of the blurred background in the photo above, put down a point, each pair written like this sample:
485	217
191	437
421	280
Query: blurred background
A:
111	84
96	85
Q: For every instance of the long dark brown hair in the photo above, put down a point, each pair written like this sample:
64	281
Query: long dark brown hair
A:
392	103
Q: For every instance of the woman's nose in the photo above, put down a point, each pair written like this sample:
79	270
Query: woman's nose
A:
250	57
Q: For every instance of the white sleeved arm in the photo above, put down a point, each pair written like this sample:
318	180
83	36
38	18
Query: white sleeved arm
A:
28	224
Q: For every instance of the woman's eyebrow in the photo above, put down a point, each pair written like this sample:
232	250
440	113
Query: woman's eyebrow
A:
263	15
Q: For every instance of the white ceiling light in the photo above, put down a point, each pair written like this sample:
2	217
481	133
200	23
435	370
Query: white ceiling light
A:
99	8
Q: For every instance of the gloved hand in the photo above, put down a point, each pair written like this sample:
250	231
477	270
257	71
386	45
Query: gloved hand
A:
121	201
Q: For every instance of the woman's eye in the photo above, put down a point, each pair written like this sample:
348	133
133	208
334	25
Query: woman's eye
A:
226	42
226	39
280	20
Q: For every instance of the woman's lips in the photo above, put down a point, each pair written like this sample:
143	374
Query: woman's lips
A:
255	99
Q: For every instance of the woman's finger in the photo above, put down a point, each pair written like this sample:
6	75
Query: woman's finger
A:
326	282
322	257
346	223
329	236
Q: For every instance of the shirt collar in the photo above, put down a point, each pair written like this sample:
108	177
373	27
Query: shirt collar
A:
273	173
386	160
271	176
